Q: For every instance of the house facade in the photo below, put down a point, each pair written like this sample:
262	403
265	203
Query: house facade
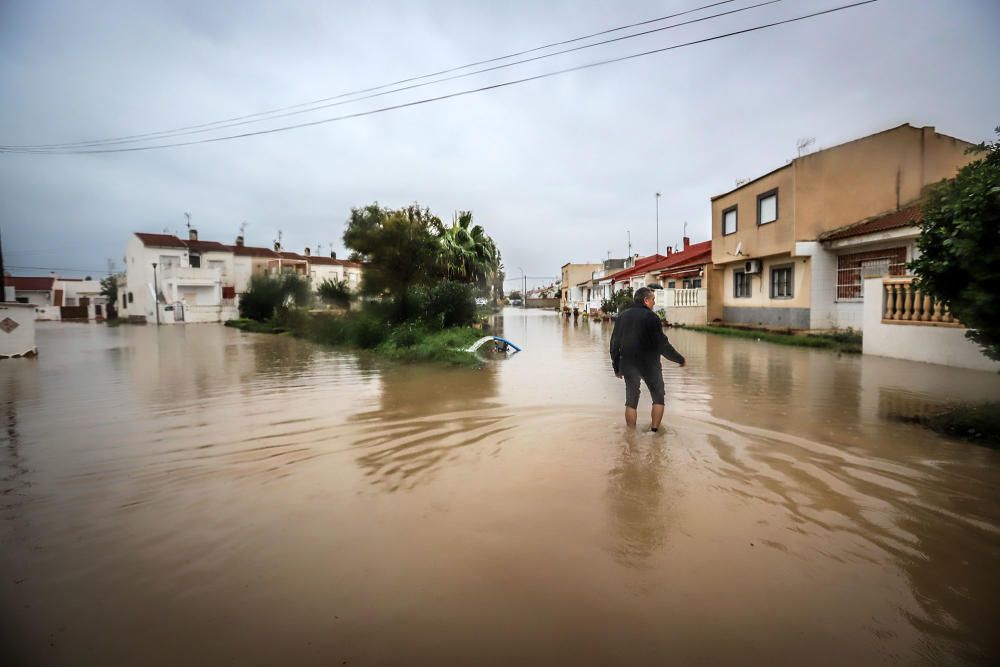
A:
571	293
691	288
173	280
56	298
774	239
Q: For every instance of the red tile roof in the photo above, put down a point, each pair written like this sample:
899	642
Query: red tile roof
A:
252	251
160	240
330	261
207	246
640	267
697	254
29	283
881	223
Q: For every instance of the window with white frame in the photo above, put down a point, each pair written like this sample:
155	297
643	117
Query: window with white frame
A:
729	221
767	207
781	282
166	261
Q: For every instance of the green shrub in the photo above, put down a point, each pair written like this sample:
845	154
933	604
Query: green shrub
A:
407	334
367	332
335	293
450	303
329	329
267	293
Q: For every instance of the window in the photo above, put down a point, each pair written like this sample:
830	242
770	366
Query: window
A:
767	207
781	282
729	221
217	264
741	284
130	297
195	260
166	261
672	284
854	268
21	299
696	283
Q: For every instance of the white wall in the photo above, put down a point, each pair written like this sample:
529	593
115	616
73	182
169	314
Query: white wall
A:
21	340
932	344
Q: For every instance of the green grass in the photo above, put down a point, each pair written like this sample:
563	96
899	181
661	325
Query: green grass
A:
407	342
844	341
976	423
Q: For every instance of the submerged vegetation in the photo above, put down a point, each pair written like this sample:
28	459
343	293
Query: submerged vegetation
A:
977	423
842	341
417	300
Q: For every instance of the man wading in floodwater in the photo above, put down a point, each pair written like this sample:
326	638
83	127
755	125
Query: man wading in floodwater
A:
636	345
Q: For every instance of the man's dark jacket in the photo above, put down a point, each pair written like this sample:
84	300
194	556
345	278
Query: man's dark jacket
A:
638	341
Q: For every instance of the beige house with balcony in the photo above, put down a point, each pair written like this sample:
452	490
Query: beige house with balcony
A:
574	276
773	237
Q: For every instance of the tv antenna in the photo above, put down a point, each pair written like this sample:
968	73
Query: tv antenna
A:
188	216
243	228
803	144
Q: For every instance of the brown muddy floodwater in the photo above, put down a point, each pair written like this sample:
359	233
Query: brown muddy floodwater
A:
197	495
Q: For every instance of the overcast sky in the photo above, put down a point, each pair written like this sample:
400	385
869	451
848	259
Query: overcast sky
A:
556	170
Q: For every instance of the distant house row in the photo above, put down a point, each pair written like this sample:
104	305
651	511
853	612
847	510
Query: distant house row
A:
56	298
173	280
820	243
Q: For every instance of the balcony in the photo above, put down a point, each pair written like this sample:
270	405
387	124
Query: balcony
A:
903	303
188	275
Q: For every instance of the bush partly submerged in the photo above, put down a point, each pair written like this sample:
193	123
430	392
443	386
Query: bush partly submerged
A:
408	341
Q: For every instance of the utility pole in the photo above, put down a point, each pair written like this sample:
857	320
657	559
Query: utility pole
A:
629	259
156	296
657	223
3	277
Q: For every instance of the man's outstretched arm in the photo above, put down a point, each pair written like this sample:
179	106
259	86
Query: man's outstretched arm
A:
666	349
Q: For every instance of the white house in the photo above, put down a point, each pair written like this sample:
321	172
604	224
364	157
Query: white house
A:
200	281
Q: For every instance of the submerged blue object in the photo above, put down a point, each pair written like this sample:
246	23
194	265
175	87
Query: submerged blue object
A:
496	339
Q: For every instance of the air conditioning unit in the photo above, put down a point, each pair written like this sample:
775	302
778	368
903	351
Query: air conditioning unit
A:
752	266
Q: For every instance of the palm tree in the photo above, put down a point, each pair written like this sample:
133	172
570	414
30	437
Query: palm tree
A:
468	254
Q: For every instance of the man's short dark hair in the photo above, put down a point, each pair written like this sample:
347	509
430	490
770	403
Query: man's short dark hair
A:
642	294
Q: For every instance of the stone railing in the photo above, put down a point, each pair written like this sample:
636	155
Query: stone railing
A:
905	304
689	297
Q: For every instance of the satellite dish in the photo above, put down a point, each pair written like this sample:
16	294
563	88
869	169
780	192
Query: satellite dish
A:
739	249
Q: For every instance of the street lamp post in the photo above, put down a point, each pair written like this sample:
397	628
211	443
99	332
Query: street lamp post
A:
524	289
657	223
156	298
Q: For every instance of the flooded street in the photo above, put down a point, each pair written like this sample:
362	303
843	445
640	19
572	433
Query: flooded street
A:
199	495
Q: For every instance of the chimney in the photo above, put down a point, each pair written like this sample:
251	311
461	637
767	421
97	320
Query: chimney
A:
239	241
192	234
333	255
277	246
307	252
687	242
670	251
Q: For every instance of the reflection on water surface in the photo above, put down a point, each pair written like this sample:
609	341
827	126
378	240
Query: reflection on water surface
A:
196	494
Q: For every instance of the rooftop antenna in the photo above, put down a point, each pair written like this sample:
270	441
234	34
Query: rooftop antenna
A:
243	228
188	216
803	144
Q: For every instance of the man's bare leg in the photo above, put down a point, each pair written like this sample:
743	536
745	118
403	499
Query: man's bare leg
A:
656	415
630	417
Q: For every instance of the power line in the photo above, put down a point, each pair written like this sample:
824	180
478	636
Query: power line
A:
391	91
54	268
260	114
447	96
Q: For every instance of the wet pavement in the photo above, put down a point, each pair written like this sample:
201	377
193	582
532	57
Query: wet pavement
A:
199	495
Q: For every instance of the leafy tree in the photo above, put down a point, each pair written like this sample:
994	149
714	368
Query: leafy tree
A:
335	292
399	247
959	246
109	290
451	303
266	294
619	301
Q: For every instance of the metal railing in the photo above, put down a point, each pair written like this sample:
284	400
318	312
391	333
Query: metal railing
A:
905	304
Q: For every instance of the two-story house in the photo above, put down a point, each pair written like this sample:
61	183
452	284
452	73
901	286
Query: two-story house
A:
774	239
